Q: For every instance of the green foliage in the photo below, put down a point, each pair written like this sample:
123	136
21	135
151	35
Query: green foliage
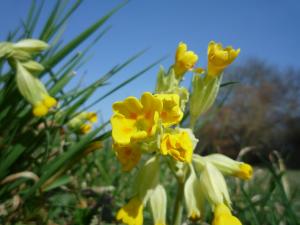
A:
41	161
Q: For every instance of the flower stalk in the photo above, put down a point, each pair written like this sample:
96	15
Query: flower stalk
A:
151	125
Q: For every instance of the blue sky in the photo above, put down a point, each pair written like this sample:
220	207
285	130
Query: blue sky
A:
267	29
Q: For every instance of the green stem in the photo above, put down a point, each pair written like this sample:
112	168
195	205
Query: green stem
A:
178	208
192	122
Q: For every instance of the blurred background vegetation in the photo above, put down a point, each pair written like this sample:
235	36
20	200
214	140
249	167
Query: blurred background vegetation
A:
51	175
261	111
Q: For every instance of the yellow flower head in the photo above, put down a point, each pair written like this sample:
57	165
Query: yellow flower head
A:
92	117
171	113
245	171
135	120
178	145
132	212
128	156
40	110
85	128
223	216
49	101
219	58
184	60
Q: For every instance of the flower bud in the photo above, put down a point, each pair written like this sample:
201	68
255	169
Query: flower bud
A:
193	195
230	167
33	66
5	49
85	128
34	91
204	93
214	186
158	203
147	179
165	82
31	45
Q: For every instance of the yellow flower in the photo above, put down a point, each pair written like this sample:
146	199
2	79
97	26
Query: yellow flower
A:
85	128
178	145
39	110
92	117
135	120
132	212
34	91
219	58
171	113
128	156
184	60
245	171
42	107
223	216
230	167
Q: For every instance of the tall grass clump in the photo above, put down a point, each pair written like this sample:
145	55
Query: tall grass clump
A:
46	135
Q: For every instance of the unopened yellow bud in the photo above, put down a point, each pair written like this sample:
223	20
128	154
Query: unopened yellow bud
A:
40	110
49	101
194	216
229	166
245	171
92	117
85	128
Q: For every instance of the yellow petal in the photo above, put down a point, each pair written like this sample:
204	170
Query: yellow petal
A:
223	216
49	101
130	107
150	103
184	60
122	128
219	58
171	112
178	145
92	117
40	110
85	128
245	171
132	212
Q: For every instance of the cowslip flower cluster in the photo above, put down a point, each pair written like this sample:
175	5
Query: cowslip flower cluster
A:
19	56
151	125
